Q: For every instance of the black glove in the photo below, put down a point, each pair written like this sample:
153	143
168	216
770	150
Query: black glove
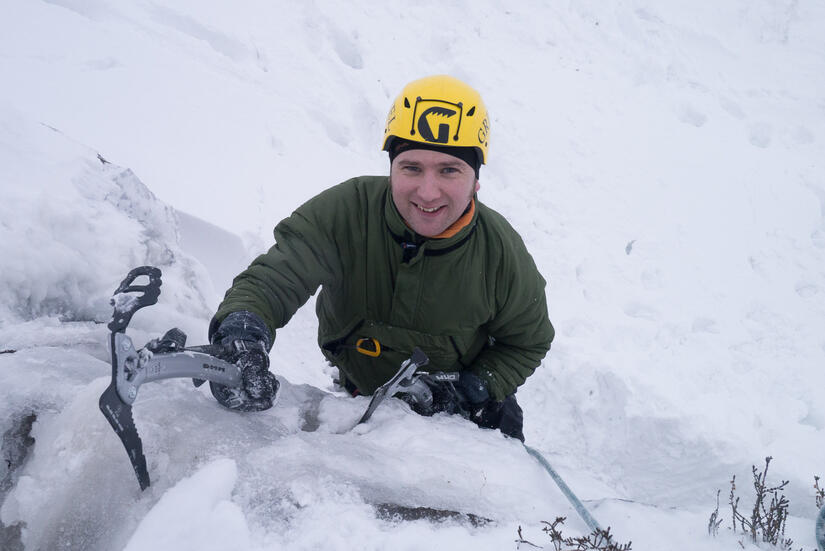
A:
244	340
474	395
505	416
511	418
468	397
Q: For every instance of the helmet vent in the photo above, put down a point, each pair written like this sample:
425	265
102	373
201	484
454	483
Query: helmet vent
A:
471	111
406	103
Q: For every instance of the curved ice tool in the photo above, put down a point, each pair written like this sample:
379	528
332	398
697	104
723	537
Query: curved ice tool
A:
404	377
163	358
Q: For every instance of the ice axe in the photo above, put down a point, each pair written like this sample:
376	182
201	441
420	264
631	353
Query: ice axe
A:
404	376
164	358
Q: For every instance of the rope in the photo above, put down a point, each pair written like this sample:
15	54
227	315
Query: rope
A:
571	497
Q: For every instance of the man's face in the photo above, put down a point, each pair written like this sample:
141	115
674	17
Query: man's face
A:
430	189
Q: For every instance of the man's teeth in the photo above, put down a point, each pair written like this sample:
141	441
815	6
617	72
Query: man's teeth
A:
428	210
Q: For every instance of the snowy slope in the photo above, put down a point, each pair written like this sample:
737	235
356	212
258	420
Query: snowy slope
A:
663	161
221	252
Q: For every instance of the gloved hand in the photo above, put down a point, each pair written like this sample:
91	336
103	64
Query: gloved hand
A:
428	395
505	416
470	397
475	396
244	340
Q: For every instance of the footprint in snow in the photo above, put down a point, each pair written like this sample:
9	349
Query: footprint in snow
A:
641	311
760	134
689	115
704	325
805	289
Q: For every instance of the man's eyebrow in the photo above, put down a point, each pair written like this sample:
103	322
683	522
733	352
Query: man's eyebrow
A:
455	162
441	164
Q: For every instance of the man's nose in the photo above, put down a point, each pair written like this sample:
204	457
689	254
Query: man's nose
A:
429	189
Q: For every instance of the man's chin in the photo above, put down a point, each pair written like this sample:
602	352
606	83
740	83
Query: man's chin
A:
426	230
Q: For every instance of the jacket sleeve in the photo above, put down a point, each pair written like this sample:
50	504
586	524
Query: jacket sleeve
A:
521	330
280	281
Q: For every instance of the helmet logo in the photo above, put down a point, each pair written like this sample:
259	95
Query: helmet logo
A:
483	130
438	115
390	117
434	115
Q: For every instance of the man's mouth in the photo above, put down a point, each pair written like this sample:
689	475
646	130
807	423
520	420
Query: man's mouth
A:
425	209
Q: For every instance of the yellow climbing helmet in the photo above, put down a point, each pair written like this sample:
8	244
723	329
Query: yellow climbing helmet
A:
439	110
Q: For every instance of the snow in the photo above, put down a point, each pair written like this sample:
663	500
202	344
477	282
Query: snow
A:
197	512
662	160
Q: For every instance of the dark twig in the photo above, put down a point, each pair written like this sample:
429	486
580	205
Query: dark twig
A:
521	540
768	516
598	540
715	521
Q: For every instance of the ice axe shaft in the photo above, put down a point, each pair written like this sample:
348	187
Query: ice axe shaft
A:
137	368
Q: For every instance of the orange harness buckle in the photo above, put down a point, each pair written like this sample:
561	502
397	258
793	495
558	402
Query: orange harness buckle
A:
368	347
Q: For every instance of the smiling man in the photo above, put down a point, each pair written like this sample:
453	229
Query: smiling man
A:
410	260
431	189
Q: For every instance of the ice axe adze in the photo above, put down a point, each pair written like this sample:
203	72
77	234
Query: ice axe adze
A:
165	358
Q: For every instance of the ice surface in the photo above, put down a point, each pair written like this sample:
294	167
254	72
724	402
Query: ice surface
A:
662	161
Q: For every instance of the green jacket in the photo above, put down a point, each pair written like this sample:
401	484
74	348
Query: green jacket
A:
472	301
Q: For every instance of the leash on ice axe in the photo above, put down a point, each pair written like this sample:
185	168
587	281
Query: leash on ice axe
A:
565	489
405	379
163	358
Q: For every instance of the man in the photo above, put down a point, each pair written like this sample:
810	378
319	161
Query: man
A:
410	260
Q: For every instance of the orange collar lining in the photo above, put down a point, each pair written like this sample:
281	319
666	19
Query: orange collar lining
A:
459	224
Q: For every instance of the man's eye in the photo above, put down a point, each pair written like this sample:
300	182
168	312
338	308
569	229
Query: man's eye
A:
449	170
410	168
